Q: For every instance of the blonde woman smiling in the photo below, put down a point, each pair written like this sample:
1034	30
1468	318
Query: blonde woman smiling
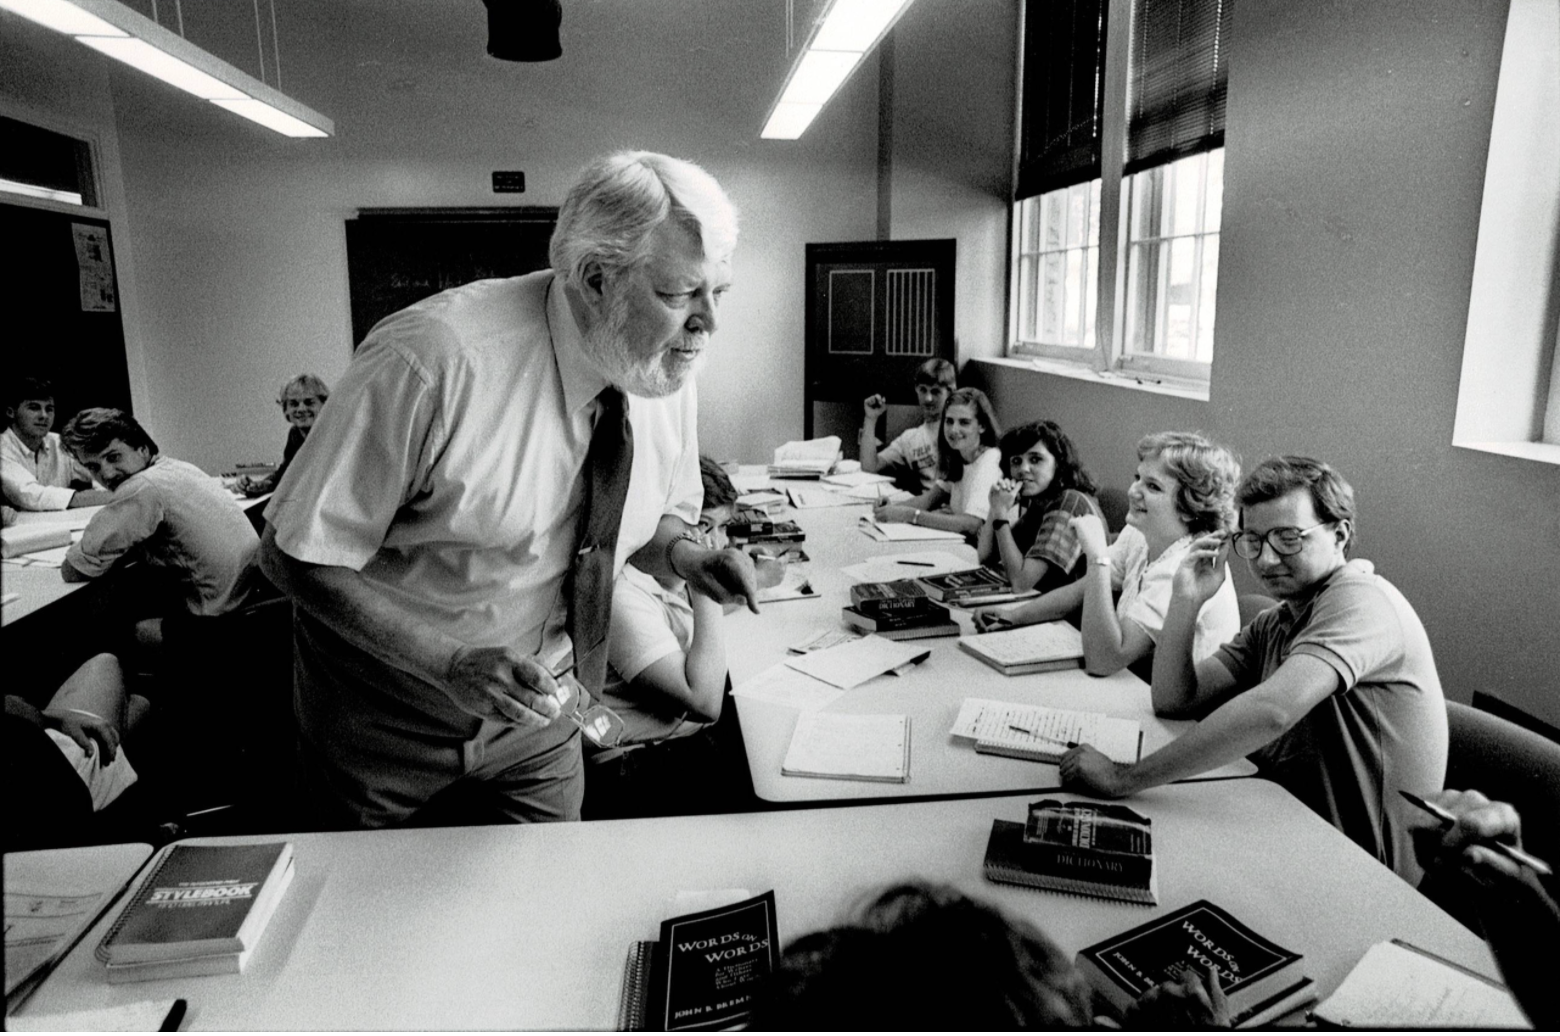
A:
1185	488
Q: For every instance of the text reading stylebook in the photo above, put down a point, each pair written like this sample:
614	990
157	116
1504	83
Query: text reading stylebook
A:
1260	978
703	971
200	911
1082	848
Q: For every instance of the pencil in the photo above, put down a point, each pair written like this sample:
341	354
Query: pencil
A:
1510	852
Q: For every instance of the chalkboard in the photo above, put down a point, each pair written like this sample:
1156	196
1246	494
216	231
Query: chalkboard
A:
396	257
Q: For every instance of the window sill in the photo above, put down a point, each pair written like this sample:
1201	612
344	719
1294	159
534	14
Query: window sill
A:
1543	452
1157	383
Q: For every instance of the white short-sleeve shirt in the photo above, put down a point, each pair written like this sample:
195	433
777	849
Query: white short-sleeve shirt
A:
1146	587
972	493
449	468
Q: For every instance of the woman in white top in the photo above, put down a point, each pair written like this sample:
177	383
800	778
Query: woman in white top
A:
971	465
1185	488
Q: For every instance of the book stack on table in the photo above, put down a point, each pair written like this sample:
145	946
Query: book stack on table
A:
1083	848
973	588
200	911
898	610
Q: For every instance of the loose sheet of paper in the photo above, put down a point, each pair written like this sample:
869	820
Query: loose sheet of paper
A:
783	685
857	478
141	1016
795	585
1394	987
847	745
827	639
1045	729
875	492
890	532
803	497
859	661
885	568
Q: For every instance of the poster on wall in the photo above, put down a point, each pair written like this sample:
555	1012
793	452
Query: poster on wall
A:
96	267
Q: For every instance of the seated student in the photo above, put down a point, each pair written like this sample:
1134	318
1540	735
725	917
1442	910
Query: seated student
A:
912	457
665	654
66	761
927	957
1038	548
666	679
166	512
300	400
1185	488
967	454
1333	694
37	472
1514	907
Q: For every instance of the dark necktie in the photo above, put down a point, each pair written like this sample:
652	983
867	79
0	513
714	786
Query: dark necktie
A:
609	464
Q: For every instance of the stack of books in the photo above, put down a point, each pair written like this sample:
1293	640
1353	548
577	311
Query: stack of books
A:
972	588
898	610
813	458
764	532
200	911
1084	848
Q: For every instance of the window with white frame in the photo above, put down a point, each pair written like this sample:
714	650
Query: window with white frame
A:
1120	186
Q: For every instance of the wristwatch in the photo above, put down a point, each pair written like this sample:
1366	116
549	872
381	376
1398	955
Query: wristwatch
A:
997	523
686	534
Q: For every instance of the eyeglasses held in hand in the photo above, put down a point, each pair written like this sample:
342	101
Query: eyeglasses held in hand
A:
598	724
1285	541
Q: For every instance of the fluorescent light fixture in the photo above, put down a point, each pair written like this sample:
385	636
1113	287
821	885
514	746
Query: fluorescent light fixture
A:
126	35
162	65
62	17
34	191
844	33
268	116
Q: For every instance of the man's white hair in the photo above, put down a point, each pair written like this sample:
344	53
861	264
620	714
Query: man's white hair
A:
620	199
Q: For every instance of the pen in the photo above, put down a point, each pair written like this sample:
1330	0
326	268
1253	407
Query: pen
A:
1510	852
918	564
175	1016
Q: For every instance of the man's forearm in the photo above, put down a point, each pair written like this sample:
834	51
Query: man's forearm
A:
1232	732
343	600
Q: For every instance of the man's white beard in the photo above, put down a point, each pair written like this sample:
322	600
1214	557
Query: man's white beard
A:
607	346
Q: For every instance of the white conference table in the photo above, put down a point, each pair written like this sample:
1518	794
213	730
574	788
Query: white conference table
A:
527	927
930	694
39	585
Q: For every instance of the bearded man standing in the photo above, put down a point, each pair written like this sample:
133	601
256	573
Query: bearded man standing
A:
493	455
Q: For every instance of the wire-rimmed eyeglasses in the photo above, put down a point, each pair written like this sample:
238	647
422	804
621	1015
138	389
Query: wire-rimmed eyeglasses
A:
600	725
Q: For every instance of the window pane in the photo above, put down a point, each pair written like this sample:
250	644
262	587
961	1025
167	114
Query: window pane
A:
1077	214
1205	309
1051	287
1091	292
1214	208
1186	176
1054	227
1072	330
1179	297
1027	272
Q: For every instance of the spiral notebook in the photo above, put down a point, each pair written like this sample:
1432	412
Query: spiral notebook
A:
849	747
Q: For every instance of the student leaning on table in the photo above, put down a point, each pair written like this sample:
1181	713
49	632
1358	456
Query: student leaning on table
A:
36	470
1333	693
1185	488
168	513
970	463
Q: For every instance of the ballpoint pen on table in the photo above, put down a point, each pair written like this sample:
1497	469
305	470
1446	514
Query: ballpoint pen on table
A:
1510	852
1042	737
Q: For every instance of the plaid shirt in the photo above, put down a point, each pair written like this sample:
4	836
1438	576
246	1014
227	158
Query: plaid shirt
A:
1043	532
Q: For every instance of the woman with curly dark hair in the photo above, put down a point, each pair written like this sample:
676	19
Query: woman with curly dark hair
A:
1028	532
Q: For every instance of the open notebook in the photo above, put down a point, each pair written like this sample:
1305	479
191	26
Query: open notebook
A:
1043	734
850	747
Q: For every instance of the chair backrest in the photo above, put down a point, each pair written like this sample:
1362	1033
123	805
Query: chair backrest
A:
1252	605
1509	764
1113	504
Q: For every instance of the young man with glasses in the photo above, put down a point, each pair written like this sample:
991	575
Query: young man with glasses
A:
1333	693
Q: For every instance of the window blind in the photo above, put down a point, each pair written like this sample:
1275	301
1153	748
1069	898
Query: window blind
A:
1063	93
1178	80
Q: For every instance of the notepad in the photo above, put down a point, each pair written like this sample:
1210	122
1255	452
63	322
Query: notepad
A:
1028	649
850	747
1399	986
1042	734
